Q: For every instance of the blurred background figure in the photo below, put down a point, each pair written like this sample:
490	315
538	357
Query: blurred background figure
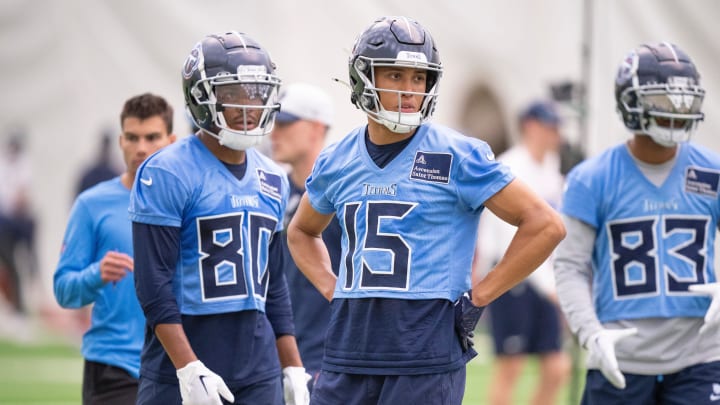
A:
95	267
17	221
104	167
301	127
526	320
482	116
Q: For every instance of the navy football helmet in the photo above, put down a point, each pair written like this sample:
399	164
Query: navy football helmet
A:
393	41
658	93
231	70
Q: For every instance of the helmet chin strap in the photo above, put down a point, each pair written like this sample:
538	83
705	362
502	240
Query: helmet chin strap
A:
236	140
397	122
667	137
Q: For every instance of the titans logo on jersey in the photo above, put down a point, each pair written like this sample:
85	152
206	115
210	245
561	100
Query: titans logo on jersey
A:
656	241
226	224
409	229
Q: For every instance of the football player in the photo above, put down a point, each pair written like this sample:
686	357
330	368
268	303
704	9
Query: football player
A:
208	269
634	273
408	195
96	261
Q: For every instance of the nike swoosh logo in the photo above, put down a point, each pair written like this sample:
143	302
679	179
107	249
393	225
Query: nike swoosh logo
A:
202	377
147	182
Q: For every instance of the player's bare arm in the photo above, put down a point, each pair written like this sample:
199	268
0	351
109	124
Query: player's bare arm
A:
309	250
539	230
288	352
176	344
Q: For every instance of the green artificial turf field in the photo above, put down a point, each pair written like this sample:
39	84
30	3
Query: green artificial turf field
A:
51	374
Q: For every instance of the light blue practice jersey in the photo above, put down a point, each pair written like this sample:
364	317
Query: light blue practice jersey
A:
225	223
409	229
652	242
98	224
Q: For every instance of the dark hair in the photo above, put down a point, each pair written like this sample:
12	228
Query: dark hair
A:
148	105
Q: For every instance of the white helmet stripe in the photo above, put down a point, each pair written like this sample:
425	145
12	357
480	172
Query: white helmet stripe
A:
240	37
634	69
672	49
409	30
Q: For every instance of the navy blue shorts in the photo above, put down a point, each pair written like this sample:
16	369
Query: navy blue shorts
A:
264	392
698	384
523	322
361	389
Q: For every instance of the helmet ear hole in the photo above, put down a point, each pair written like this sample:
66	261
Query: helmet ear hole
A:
361	65
367	102
197	93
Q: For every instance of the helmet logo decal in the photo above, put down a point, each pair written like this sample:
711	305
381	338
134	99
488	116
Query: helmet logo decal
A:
250	70
412	56
192	61
628	67
680	81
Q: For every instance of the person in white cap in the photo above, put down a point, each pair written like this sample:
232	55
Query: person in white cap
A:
301	127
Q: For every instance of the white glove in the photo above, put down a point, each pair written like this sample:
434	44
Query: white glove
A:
601	351
295	387
712	316
200	386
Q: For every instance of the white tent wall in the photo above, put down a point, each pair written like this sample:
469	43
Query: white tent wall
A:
68	66
620	25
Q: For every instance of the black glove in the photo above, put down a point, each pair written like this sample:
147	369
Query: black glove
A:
467	316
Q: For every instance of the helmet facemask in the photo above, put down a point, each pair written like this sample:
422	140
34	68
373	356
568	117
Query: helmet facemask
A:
669	113
397	42
369	101
658	94
231	90
252	93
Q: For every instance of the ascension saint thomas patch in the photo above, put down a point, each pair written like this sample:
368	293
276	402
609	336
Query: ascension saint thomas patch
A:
431	167
702	181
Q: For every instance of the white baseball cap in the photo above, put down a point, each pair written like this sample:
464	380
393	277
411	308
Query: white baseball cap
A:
304	101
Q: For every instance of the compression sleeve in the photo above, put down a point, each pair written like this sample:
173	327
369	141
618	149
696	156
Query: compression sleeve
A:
277	307
573	278
156	253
